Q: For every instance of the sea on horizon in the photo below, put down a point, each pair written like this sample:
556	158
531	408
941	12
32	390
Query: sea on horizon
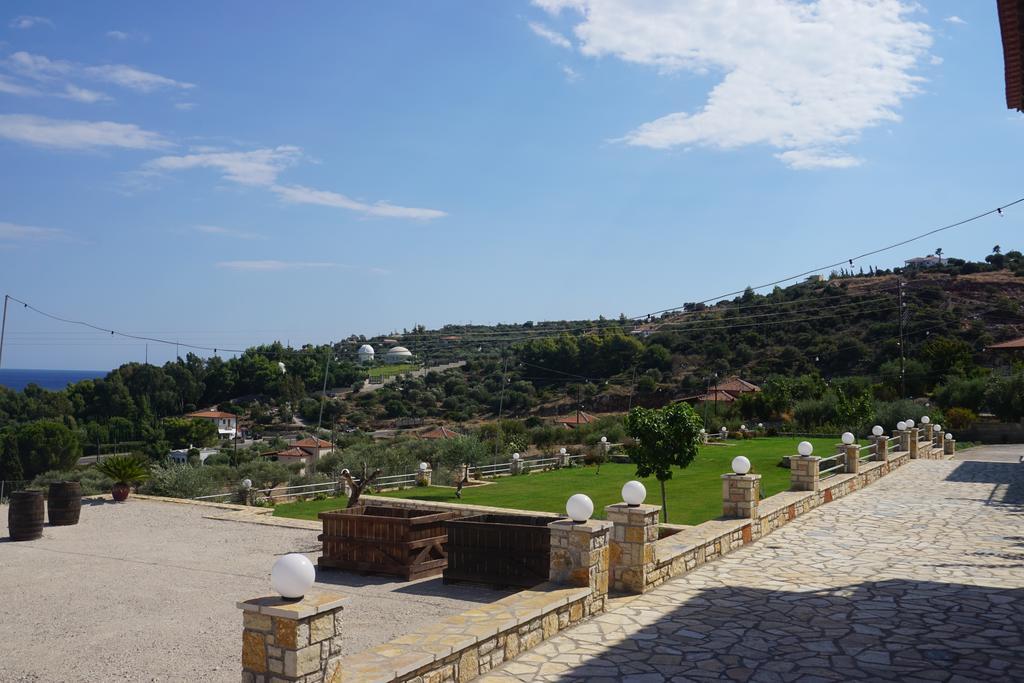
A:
19	378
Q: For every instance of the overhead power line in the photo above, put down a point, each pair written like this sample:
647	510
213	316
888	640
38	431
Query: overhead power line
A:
847	261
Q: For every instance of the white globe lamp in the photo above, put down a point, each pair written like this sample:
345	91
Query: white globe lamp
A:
804	448
743	428
724	430
604	439
634	493
423	467
562	451
901	426
936	428
949	436
292	576
848	438
910	424
515	456
760	425
925	420
740	465
247	483
703	431
579	507
877	430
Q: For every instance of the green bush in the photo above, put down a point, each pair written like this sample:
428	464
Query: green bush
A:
92	480
960	418
178	481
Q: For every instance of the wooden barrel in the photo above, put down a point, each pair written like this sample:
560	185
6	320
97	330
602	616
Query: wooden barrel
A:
64	503
25	515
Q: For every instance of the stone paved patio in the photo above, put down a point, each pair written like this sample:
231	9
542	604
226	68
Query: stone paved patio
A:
919	577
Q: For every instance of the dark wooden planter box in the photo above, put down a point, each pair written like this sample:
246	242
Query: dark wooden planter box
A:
385	540
501	550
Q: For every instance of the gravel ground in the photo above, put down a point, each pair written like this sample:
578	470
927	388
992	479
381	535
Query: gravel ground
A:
146	591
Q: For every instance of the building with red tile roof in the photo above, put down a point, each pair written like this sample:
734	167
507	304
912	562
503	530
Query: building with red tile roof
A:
1011	24
441	432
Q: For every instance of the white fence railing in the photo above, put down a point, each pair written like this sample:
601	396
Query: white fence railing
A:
391	480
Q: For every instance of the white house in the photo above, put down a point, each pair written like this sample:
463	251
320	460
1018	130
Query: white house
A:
398	354
180	455
929	261
226	423
365	354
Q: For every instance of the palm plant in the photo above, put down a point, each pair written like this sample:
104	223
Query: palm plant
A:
124	470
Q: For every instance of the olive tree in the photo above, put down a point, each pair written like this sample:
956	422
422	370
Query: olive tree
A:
665	438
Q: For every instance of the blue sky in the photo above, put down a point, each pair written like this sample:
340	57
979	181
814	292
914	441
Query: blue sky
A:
234	173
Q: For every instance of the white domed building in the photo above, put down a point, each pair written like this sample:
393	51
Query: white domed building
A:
398	354
365	354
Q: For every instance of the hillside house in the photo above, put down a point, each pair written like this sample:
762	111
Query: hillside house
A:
226	423
929	261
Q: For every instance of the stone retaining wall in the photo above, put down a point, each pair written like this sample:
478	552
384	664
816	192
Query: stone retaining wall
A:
463	646
685	551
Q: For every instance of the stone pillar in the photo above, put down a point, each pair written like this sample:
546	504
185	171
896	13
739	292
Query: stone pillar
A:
515	466
579	557
566	460
740	495
804	472
904	439
292	640
423	477
882	448
948	446
913	444
631	548
851	459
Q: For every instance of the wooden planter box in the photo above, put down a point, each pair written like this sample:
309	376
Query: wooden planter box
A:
385	540
501	550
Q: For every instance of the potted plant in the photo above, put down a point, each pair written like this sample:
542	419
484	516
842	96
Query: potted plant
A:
123	469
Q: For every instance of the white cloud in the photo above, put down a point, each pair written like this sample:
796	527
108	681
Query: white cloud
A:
270	264
42	69
185	106
806	78
258	167
261	167
571	74
955	20
304	195
552	36
128	35
73	92
25	21
72	134
12	232
228	232
11	87
132	78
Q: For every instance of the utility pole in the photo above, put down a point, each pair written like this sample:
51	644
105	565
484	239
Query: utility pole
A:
903	361
323	396
501	404
632	388
3	329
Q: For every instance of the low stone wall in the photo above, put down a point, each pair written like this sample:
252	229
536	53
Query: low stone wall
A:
690	548
463	646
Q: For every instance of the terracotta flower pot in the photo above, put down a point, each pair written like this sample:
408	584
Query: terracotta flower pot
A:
120	491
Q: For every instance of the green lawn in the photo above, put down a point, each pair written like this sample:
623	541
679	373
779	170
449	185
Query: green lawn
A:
694	494
389	370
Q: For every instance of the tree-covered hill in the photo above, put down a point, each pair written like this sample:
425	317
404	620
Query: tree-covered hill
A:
846	342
